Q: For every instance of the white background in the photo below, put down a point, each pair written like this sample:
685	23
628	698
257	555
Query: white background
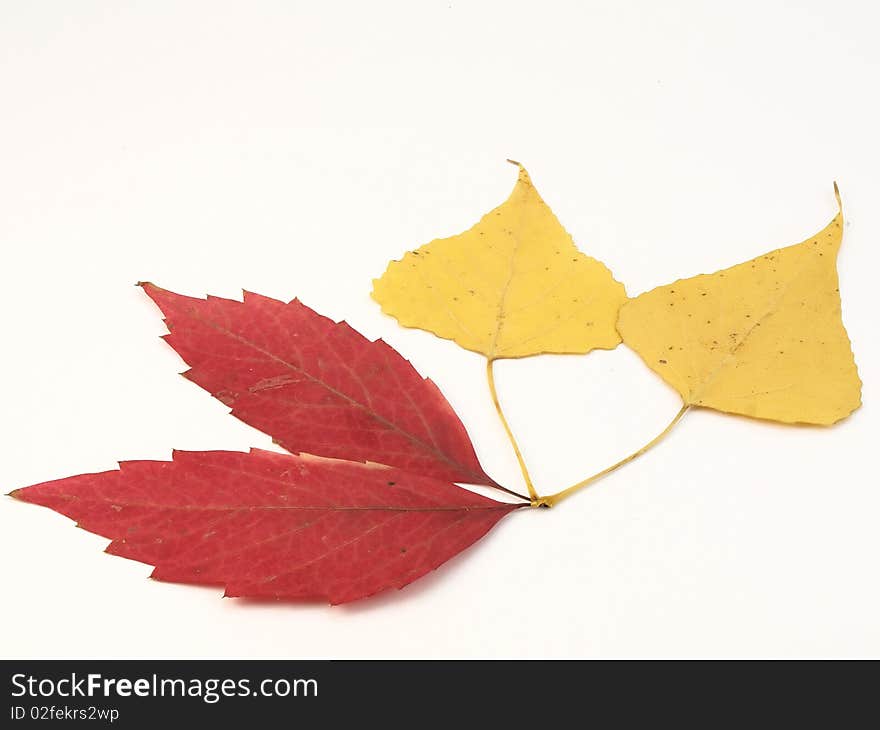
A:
293	148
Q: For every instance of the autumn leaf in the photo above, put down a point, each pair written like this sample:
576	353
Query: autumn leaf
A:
514	285
367	500
273	525
762	339
317	386
293	526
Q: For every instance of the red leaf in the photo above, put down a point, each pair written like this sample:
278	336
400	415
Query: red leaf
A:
274	525
318	386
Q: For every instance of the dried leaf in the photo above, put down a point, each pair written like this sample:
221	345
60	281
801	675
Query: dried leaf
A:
513	285
317	386
762	339
273	525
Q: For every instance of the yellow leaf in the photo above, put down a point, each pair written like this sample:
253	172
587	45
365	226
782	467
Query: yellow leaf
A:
762	339
513	285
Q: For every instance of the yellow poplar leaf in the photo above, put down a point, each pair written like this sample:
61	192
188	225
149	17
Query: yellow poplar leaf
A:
762	339
513	285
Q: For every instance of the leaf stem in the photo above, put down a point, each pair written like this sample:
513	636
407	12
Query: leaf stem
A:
555	499
490	377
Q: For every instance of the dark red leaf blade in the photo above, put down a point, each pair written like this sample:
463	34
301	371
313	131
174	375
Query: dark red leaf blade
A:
273	525
318	386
